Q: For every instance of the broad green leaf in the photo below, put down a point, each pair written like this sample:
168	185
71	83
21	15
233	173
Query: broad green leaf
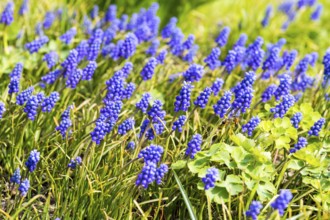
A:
282	142
179	164
197	165
265	125
265	191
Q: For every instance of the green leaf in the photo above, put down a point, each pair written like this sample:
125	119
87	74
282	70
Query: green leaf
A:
265	126
185	197
197	165
179	164
233	184
266	190
282	142
218	194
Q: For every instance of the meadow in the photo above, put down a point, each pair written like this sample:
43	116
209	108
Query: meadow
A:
171	110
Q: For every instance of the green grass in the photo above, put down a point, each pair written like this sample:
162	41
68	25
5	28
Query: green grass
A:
104	186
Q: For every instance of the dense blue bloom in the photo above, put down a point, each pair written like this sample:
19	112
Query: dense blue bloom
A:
144	126
176	40
169	28
149	69
160	173
123	22
152	153
24	7
156	111
115	87
35	45
31	107
182	101
230	61
129	90
288	59
251	125
203	98
94	49
317	13
51	59
268	93
222	106
282	201
281	109
24	187
7	16
147	175
127	69
111	110
194	73
302	142
222	38
51	77
130	145
316	128
129	46
270	62
326	63
243	99
194	146
143	104
71	62
254	210
217	85
33	160
115	50
307	3
189	57
178	124
16	177
285	86
94	12
111	13
255	54
88	71
68	36
99	131
74	78
126	126
247	82
303	65
212	60
241	41
313	58
65	122
75	162
14	85
48	103
2	109
48	20
189	42
302	82
265	20
152	50
82	50
212	174
161	56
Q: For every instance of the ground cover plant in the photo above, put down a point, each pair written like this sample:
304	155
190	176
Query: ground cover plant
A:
107	115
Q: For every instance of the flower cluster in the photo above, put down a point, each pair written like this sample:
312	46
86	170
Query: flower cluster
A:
254	210
282	201
194	146
296	118
33	160
178	124
251	125
316	128
75	162
281	109
182	101
302	142
212	174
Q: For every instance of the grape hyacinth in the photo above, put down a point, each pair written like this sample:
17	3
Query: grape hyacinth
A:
281	109
31	107
222	106
160	173
129	46
212	60
189	57
270	62
129	90
161	56
243	99
152	153
156	111
265	20
254	210
255	54
316	14
289	59
251	125
48	103
230	61
16	177
24	96
152	49
111	13
143	104
302	142
68	36
178	124
126	126
302	66
24	8
93	50
194	146
75	162
74	78
48	20
182	101
203	98
212	174
313	58
282	201
115	87
2	109
33	160
316	128
217	85
147	175
222	38
285	86
268	93
94	12
194	73
51	77
51	59
24	187
111	110
189	42
7	16
35	45
295	120
130	145
88	71
149	69
169	28
127	69
65	122
82	50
